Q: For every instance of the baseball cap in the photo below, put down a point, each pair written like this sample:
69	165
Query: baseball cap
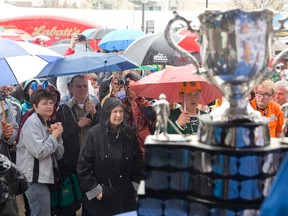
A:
188	87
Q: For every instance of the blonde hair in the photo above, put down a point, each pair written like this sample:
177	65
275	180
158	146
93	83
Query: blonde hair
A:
269	85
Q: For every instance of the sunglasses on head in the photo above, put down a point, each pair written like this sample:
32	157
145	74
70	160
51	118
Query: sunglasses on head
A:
34	86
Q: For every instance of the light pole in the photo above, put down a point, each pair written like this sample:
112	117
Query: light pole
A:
143	13
206	3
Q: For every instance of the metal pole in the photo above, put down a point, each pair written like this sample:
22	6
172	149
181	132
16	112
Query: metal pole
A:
206	3
143	16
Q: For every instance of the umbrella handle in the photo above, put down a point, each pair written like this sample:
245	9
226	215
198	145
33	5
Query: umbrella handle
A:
184	97
3	113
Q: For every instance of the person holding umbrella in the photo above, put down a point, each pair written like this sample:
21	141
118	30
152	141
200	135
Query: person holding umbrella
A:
185	117
139	112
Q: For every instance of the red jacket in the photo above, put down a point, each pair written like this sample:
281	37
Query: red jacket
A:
69	51
140	115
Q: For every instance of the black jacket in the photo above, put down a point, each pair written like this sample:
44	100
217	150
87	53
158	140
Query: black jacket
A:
71	137
110	158
12	183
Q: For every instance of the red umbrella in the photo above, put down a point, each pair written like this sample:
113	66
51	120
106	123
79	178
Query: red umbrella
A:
11	36
169	81
189	42
23	34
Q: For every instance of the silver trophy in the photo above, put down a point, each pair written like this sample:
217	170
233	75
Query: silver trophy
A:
236	47
228	168
235	51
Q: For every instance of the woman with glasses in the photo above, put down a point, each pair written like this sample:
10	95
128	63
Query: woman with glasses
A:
268	108
110	164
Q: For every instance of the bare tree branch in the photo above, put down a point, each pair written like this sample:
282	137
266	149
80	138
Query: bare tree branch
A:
277	5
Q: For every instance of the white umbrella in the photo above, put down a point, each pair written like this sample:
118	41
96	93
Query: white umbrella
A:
20	61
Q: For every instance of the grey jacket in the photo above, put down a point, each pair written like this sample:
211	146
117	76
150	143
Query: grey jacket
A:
34	150
10	118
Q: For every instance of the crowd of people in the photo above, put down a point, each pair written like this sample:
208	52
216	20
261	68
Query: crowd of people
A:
94	134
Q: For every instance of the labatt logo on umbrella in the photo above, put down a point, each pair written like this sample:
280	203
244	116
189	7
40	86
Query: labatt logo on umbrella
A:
160	58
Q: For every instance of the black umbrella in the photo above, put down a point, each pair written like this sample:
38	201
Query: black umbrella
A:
62	41
99	33
154	49
61	48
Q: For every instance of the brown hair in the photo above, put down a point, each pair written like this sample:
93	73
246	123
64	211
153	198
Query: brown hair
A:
40	94
269	85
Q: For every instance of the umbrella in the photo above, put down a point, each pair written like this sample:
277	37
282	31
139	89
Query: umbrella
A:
62	41
11	36
87	62
154	49
20	61
119	39
42	38
189	41
168	82
99	33
61	48
23	34
278	46
88	32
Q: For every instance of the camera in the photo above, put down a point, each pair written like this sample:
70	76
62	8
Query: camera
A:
123	82
2	95
81	37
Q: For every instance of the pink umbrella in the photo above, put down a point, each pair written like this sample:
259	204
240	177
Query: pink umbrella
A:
168	82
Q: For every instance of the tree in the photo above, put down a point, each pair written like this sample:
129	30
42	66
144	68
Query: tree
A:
95	4
277	5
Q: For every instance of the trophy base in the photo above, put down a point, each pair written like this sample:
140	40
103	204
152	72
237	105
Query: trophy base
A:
235	134
171	138
284	140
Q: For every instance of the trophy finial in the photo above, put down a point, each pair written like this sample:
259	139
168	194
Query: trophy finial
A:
162	110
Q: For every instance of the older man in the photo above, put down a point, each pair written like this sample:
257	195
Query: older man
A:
268	108
77	115
281	92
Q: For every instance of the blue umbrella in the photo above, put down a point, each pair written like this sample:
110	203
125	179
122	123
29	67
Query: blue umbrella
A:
87	62
119	39
20	61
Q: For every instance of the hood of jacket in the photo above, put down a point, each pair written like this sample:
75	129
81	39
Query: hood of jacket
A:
108	105
27	97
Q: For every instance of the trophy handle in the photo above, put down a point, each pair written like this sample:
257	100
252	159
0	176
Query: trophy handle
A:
175	46
277	58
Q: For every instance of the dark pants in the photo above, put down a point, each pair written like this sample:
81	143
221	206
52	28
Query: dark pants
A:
26	204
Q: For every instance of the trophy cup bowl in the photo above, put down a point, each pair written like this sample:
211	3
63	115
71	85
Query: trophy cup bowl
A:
236	47
235	51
